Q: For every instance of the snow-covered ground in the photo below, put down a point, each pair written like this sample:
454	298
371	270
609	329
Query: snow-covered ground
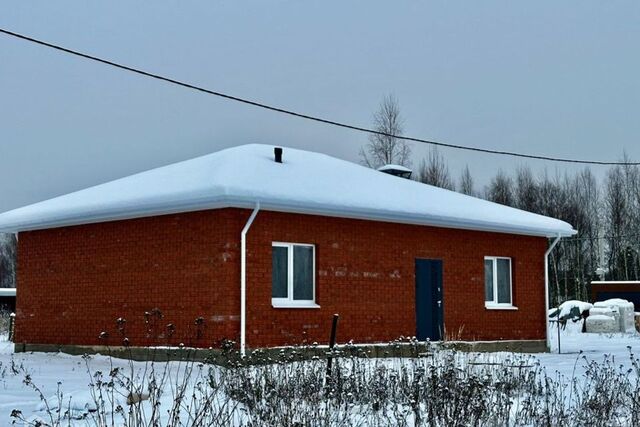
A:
64	380
575	345
70	373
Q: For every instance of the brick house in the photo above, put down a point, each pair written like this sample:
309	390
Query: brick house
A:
263	250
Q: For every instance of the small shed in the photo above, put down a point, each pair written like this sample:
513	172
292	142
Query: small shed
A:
604	290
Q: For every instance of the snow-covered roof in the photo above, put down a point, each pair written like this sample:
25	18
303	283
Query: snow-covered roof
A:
306	182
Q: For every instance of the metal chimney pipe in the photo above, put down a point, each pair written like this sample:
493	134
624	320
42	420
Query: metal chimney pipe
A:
278	154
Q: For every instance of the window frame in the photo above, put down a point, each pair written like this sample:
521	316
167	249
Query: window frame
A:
289	302
494	304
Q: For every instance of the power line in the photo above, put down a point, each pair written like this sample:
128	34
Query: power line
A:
306	116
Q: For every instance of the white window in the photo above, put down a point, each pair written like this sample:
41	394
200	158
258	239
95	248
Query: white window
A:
293	275
497	282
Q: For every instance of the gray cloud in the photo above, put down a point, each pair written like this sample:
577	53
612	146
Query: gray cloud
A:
551	78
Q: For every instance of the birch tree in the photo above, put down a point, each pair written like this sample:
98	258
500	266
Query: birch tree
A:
386	149
434	171
500	189
466	182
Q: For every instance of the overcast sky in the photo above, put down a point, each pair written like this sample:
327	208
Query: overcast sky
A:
551	78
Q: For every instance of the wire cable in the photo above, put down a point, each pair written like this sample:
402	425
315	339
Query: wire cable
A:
306	116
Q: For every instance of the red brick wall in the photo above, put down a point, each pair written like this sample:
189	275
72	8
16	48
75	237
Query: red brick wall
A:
75	281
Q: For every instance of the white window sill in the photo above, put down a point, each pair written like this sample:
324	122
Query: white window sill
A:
500	307
294	305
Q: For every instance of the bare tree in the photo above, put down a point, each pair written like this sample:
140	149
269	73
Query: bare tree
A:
466	182
549	195
583	252
616	224
606	216
622	221
7	260
632	232
500	189
434	171
386	149
526	190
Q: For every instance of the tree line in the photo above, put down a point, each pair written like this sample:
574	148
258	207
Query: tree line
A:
8	249
606	214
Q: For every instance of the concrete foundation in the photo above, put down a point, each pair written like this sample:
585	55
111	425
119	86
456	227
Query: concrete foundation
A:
267	355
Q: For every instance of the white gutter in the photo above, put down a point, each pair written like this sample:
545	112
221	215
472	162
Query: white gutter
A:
243	278
546	288
7	292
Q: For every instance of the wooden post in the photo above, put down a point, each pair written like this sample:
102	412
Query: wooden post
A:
332	343
12	322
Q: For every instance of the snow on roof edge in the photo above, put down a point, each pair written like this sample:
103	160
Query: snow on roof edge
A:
392	166
216	181
7	292
307	209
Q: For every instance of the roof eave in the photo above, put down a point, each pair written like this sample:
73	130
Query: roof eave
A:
306	208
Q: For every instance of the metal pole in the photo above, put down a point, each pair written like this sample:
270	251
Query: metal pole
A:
332	343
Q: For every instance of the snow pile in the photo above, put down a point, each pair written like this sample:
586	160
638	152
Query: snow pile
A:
565	307
604	311
623	310
610	316
601	324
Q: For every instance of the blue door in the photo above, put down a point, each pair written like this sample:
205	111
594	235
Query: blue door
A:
429	314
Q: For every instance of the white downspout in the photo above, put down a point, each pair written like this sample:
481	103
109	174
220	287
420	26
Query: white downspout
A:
546	288
243	279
